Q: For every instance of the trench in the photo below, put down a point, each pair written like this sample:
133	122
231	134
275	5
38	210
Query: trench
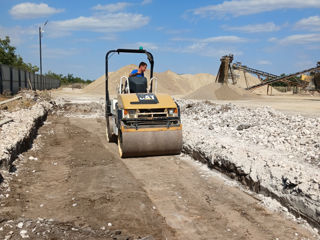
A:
231	170
25	144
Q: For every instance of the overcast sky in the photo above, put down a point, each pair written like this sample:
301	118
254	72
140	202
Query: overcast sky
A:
278	36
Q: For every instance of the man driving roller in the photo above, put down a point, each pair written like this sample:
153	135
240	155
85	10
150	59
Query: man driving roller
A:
140	71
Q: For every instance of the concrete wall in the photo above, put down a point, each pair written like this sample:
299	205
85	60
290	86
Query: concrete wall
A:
12	80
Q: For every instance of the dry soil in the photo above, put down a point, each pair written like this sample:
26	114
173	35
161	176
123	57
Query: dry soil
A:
73	185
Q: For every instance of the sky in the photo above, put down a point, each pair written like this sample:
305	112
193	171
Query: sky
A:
277	36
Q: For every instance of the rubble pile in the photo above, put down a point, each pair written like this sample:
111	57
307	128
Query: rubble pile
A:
17	134
271	152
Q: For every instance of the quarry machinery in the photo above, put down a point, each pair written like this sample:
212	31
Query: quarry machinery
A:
141	121
291	80
225	70
238	66
287	78
259	73
315	83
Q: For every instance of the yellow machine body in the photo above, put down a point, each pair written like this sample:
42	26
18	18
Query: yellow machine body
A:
150	136
143	122
126	101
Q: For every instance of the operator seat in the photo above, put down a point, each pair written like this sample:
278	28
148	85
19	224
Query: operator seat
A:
138	84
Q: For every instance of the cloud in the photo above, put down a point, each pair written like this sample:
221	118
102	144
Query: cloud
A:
119	6
29	10
112	7
247	7
264	62
205	50
298	39
145	2
18	34
110	22
224	39
216	39
255	28
311	23
205	47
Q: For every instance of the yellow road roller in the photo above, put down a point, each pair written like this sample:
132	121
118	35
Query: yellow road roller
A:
141	121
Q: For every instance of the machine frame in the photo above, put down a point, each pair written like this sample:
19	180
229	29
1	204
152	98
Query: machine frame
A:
152	118
121	50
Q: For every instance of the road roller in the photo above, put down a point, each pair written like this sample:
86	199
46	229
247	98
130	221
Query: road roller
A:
141	121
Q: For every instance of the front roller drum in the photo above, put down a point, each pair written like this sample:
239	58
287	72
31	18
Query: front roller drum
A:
140	142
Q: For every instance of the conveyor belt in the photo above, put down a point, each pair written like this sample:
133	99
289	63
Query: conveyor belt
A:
283	78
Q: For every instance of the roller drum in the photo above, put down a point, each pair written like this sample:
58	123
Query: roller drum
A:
147	143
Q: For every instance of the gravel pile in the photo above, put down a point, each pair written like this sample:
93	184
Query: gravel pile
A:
16	136
274	153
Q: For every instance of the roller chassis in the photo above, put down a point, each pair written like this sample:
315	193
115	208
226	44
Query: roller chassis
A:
115	122
143	124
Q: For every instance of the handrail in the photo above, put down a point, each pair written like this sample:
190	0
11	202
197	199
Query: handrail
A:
110	53
126	86
154	79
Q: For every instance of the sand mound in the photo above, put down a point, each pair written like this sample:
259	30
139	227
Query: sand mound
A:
168	82
181	84
226	93
98	86
218	91
197	86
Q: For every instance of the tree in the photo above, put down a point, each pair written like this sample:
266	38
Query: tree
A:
8	56
67	79
7	52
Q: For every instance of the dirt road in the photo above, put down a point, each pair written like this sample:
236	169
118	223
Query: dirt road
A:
73	185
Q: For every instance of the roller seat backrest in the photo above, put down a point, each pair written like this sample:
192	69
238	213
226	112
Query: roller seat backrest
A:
138	84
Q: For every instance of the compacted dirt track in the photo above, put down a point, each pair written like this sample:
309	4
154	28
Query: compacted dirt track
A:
73	185
200	205
80	183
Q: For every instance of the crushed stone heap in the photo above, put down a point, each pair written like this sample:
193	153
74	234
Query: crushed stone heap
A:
272	152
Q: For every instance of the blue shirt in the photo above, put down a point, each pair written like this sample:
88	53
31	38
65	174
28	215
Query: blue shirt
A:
138	75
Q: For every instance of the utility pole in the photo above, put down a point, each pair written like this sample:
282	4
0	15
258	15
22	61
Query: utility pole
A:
40	54
40	46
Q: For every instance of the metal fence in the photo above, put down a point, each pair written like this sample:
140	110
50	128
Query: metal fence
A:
12	80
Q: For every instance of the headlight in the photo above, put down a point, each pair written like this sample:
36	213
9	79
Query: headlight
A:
131	113
172	112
